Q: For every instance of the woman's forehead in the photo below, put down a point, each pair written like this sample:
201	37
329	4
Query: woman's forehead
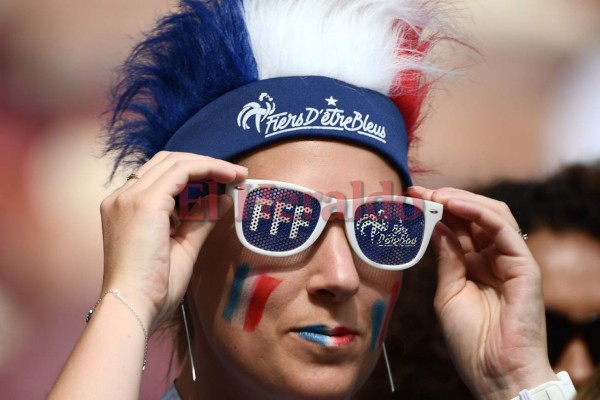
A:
325	166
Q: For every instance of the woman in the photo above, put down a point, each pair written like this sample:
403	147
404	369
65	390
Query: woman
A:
319	101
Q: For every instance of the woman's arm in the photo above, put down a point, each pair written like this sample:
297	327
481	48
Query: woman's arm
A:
148	258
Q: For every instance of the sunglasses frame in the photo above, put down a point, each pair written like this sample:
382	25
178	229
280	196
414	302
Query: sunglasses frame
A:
432	213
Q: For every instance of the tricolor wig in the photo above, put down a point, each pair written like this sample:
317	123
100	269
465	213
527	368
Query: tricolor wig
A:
208	48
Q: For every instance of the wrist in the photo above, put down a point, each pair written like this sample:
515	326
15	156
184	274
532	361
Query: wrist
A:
145	308
124	303
111	303
531	379
560	388
509	385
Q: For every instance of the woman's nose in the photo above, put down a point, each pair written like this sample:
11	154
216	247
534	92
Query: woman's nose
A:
577	361
333	275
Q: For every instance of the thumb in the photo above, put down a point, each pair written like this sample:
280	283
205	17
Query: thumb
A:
193	230
200	221
451	264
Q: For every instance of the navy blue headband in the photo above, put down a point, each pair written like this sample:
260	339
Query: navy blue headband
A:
295	108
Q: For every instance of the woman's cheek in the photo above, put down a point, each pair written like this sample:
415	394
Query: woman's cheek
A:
247	298
381	310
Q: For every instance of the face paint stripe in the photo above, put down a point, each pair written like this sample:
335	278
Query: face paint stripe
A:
263	287
390	307
245	296
235	293
377	315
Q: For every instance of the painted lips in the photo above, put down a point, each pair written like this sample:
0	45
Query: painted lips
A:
327	337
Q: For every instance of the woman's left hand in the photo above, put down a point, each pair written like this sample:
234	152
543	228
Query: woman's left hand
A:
489	295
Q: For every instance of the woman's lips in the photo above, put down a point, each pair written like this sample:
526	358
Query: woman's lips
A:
327	337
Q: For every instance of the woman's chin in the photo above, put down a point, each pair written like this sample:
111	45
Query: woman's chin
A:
318	382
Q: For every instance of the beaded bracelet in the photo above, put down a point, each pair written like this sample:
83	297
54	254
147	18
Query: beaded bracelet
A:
119	296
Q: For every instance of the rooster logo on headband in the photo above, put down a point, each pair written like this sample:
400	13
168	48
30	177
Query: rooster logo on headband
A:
256	110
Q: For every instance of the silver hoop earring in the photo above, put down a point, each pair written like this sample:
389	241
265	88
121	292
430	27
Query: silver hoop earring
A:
389	370
189	342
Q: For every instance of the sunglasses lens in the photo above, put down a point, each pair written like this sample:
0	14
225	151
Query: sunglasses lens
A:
279	220
389	233
559	333
592	336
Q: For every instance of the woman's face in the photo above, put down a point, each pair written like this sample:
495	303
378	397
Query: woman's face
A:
305	326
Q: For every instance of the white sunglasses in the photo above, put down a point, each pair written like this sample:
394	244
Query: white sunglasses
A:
282	219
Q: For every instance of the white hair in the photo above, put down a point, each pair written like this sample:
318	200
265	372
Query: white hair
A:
368	43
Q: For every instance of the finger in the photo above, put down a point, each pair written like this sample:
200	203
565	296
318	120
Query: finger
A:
192	234
443	195
479	271
201	218
154	169
471	236
451	264
157	158
163	161
459	226
450	258
174	180
435	196
479	237
503	234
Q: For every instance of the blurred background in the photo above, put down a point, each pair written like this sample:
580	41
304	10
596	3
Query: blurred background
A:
528	103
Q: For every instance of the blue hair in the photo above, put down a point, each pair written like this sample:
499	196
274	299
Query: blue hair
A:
192	57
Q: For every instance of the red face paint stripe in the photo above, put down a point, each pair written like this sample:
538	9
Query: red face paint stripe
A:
388	313
263	287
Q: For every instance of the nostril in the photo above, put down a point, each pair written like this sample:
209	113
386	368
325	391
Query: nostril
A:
325	293
335	293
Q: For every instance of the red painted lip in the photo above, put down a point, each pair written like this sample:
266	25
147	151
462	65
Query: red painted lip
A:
342	331
324	330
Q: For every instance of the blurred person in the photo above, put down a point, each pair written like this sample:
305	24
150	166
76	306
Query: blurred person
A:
290	278
591	389
562	219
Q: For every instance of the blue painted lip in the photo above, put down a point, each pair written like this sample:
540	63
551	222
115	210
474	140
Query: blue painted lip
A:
314	337
324	336
322	329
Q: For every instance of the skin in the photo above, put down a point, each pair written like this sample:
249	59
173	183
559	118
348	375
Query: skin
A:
571	278
489	297
484	266
326	285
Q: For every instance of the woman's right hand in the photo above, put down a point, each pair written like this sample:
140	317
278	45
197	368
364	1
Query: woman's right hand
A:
149	253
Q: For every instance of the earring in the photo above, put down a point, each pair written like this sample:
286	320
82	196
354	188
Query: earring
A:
189	343
389	370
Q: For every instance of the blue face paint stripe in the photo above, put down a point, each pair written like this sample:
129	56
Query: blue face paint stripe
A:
377	315
236	291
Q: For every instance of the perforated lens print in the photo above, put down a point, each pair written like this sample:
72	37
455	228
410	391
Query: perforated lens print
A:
279	220
389	233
